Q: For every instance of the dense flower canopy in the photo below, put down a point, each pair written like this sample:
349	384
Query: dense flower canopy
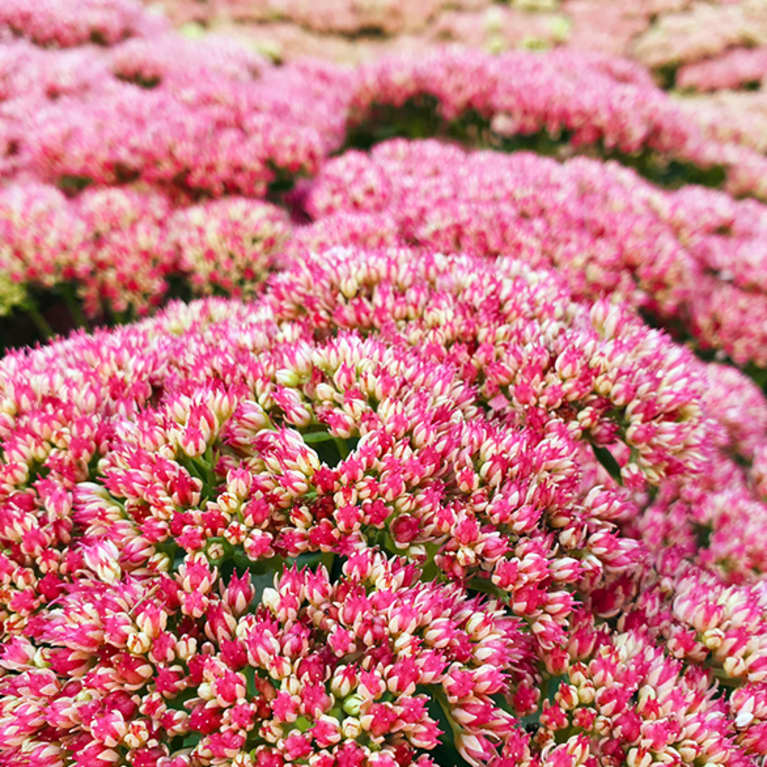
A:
340	427
372	408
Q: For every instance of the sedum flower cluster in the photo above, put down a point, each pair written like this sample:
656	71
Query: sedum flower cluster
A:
118	249
402	508
701	31
594	222
459	457
104	98
733	69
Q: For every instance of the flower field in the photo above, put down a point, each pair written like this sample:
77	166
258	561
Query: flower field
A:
407	410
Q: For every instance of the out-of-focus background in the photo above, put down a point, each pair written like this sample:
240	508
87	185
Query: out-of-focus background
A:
142	144
712	55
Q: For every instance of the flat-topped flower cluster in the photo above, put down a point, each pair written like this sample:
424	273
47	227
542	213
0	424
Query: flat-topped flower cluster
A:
595	223
105	101
403	508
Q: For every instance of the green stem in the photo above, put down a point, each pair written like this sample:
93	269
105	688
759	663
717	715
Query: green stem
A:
343	448
441	698
45	330
73	305
328	558
430	570
209	461
721	675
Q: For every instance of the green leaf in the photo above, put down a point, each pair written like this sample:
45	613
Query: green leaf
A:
250	682
316	436
606	458
303	724
486	586
191	740
445	754
178	702
261	582
552	685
